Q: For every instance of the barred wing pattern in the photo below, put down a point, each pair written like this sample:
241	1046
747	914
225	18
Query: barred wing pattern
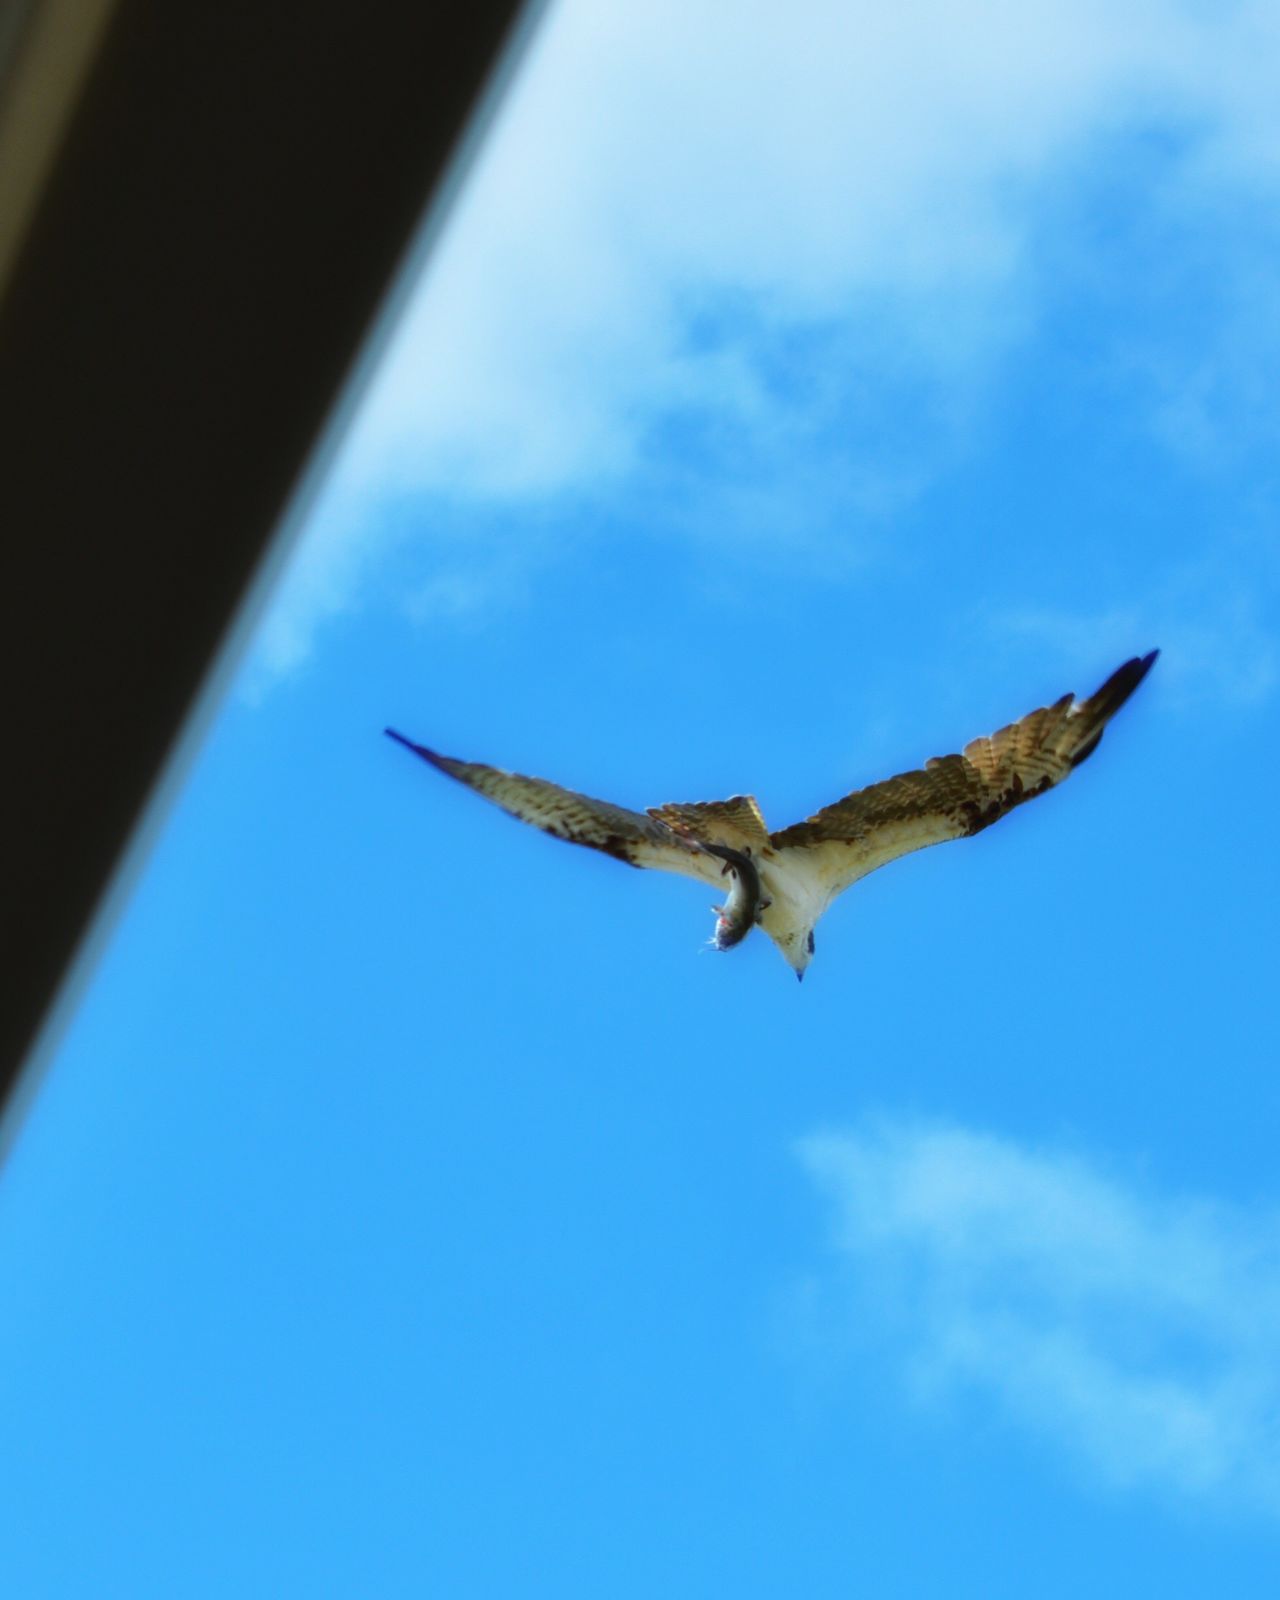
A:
955	796
641	839
736	822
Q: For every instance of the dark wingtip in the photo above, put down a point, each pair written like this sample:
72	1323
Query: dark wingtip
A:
1121	684
1101	707
418	749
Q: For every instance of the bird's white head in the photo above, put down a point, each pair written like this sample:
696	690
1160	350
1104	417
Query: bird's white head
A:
797	949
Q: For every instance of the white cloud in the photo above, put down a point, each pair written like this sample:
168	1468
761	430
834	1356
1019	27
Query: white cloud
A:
868	169
1141	1331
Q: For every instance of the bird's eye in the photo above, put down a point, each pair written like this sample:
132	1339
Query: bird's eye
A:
810	941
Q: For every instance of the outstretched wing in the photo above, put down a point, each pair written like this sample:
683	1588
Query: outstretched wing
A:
954	796
640	839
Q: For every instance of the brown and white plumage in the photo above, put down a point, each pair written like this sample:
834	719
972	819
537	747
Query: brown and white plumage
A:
786	880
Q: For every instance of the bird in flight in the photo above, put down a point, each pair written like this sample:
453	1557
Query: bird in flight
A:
784	881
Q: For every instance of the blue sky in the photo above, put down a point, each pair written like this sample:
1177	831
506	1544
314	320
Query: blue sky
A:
413	1205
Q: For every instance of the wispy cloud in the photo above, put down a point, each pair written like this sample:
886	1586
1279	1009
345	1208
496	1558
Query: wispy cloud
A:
674	198
1139	1330
1213	619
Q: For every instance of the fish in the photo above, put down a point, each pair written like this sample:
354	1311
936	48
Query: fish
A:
744	903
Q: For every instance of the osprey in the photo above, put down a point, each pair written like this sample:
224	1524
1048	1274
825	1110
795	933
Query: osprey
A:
785	881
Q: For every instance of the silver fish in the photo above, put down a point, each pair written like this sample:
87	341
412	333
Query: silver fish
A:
741	910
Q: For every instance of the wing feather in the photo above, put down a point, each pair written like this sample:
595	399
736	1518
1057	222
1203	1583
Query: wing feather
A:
955	796
736	822
639	839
